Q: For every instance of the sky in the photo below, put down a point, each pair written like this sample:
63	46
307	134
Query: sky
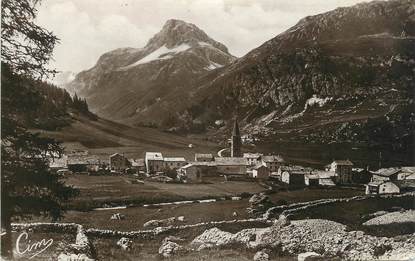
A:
89	28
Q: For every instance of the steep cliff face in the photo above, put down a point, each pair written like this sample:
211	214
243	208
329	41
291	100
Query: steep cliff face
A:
130	84
320	77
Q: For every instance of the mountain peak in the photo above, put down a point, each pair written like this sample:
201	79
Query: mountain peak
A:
174	24
176	32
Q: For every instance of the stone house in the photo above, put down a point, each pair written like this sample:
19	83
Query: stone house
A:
253	158
381	187
343	170
174	162
118	162
231	165
195	172
154	162
407	173
394	174
81	163
320	177
260	171
57	163
293	178
273	162
361	176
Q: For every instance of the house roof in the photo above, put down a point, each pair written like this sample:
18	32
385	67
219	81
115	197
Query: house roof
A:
386	172
321	174
83	160
326	182
258	166
202	163
187	166
407	183
224	161
377	183
58	162
174	159
343	162
204	155
137	162
115	154
154	156
272	158
408	169
297	173
252	155
312	176
295	168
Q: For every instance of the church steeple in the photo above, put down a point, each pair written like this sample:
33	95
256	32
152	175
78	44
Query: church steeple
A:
236	142
235	131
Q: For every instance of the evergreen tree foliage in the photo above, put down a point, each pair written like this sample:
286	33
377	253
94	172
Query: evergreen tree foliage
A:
28	187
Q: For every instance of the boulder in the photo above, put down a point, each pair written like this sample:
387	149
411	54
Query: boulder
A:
125	243
282	221
117	216
309	256
169	248
74	257
160	222
205	246
213	236
258	204
261	256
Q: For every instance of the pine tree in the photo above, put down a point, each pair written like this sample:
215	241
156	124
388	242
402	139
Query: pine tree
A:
28	187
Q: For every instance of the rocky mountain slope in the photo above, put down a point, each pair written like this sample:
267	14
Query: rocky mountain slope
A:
130	84
63	78
342	76
345	75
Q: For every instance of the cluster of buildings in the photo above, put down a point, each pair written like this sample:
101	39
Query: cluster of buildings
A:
391	180
249	165
76	161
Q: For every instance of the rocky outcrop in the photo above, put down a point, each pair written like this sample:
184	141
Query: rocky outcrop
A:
327	238
258	204
362	73
213	236
261	256
117	216
163	222
74	257
125	243
170	247
82	249
309	256
397	217
297	208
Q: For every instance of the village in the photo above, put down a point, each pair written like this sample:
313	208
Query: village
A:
249	167
238	201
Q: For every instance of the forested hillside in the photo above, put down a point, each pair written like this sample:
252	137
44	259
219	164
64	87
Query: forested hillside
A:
39	104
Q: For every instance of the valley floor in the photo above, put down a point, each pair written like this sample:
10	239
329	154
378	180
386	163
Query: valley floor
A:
330	225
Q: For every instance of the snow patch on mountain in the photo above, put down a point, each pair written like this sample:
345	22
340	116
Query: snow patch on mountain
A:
316	101
213	66
204	44
161	53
